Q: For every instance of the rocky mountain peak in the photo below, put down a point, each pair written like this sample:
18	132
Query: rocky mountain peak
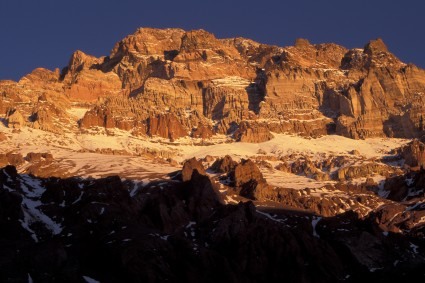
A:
198	40
80	60
302	42
148	41
41	75
130	56
375	46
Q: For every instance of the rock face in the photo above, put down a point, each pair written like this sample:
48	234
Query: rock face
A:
11	158
166	126
15	120
406	187
253	133
414	154
350	84
224	165
364	170
228	86
84	81
246	171
202	131
36	157
249	180
190	166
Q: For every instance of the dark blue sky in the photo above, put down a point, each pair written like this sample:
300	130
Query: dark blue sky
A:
44	33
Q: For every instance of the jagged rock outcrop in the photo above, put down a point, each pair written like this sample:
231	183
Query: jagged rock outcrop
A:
15	120
321	170
248	180
190	166
408	186
136	115
37	157
364	170
244	172
11	158
41	83
308	168
224	165
133	58
44	115
252	132
166	126
84	81
414	154
202	132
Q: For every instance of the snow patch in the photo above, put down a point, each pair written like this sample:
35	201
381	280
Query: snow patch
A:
32	191
230	199
79	198
314	222
77	112
90	280
271	217
191	223
414	248
34	214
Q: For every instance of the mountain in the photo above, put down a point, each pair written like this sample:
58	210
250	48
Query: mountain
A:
171	83
183	157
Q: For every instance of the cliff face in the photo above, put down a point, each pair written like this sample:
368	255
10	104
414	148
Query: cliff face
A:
367	92
194	79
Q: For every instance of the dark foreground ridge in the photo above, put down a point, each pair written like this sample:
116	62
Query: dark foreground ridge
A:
71	230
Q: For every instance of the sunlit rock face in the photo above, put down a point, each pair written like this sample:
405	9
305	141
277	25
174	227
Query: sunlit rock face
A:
199	80
306	89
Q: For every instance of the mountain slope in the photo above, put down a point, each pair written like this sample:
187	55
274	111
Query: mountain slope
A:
190	83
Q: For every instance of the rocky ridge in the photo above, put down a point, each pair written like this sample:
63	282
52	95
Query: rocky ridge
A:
187	80
182	230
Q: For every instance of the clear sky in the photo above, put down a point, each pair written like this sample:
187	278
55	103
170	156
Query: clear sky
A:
44	33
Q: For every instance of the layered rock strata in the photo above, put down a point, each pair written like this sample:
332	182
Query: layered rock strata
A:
226	86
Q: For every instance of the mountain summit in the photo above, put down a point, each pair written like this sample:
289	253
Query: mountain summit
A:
193	84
